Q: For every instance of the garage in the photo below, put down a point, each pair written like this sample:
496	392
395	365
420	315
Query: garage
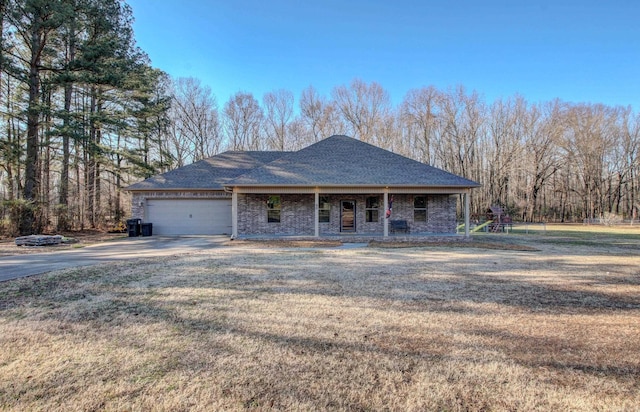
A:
189	216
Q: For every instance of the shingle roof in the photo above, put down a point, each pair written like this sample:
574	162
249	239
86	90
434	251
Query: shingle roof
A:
212	173
344	161
335	161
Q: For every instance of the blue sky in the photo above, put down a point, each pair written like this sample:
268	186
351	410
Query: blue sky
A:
578	51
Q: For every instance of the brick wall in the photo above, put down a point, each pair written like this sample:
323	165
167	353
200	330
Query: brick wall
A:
297	215
441	213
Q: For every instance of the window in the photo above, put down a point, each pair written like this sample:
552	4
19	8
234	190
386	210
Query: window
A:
273	209
324	209
371	209
420	209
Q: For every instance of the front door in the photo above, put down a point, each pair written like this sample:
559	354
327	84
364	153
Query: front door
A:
348	216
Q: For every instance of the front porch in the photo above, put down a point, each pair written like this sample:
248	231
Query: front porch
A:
353	216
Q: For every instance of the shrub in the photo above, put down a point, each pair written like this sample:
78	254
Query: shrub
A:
17	213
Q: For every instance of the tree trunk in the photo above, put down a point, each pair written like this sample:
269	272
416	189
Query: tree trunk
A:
118	211
91	160
63	196
97	208
10	152
30	191
46	164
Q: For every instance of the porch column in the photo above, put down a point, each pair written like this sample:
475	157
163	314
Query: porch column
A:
316	212
466	214
234	213
384	212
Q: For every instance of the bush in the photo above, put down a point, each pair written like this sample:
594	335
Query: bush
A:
5	224
19	214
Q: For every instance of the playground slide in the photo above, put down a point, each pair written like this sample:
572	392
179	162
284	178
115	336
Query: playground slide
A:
482	226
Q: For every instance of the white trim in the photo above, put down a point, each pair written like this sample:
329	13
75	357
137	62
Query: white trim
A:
234	214
384	213
317	213
466	214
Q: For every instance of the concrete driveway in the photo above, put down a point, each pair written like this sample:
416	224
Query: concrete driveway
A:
12	267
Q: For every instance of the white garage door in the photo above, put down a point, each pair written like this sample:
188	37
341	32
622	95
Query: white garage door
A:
189	216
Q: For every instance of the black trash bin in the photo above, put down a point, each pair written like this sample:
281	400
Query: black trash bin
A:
147	229
133	227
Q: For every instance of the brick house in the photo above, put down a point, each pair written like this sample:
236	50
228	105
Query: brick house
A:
336	187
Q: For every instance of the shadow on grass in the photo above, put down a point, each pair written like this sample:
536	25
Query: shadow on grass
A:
110	297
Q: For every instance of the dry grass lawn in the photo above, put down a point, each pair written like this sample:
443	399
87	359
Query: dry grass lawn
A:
552	327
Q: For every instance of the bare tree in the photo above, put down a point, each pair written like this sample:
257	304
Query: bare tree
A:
460	135
195	116
297	129
419	114
586	140
507	125
279	112
629	154
461	127
320	116
242	122
389	133
544	127
362	106
620	157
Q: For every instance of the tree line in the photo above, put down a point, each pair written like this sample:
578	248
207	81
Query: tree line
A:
83	114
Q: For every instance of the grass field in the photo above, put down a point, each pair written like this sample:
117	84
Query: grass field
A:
545	321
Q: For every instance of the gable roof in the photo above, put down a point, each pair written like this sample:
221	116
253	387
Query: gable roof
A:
344	161
208	174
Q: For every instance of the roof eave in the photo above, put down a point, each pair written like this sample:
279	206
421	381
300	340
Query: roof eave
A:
173	189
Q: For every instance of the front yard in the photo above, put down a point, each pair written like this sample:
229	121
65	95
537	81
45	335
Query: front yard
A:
553	325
